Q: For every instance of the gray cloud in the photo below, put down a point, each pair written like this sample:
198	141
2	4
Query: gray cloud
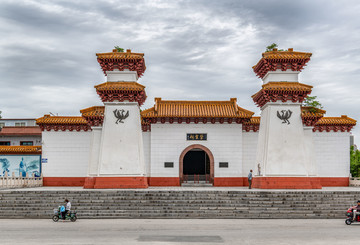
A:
193	49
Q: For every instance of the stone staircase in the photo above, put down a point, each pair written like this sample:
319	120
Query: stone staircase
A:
179	203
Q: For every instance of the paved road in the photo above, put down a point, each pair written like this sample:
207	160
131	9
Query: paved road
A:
178	231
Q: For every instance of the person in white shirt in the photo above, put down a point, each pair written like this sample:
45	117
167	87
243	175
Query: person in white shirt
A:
67	209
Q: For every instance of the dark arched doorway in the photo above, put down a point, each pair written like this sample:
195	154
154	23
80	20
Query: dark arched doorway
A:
196	164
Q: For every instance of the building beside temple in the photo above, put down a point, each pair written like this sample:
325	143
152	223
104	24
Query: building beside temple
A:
119	146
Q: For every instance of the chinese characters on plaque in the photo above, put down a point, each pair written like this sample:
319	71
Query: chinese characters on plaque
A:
196	136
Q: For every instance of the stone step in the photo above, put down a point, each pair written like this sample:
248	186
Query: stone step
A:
179	204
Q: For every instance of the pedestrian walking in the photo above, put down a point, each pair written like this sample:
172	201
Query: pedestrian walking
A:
250	178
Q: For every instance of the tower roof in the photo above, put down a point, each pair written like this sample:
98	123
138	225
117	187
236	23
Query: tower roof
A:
284	60
284	91
121	61
121	91
119	86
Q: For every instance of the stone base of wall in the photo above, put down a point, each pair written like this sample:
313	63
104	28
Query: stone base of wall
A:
230	181
334	181
354	182
164	181
63	181
115	182
287	183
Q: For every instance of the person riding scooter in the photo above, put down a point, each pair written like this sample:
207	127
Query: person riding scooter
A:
356	210
65	210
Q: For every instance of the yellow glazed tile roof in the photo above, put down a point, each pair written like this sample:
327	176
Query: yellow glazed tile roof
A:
290	86
5	149
93	111
47	119
116	86
253	121
343	120
174	108
120	55
284	86
312	112
281	56
289	55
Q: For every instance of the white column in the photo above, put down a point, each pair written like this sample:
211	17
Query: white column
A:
94	151
281	147
121	149
310	163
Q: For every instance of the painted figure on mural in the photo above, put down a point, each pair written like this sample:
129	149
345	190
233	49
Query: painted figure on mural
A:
5	164
22	168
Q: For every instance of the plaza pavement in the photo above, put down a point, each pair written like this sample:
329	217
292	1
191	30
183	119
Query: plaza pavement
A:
179	231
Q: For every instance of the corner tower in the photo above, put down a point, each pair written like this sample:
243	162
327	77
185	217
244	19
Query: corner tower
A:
285	157
116	154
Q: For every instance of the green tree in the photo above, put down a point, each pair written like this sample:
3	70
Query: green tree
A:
311	101
354	162
119	49
0	114
271	47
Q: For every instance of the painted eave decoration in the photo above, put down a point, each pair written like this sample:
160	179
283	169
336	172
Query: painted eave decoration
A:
5	149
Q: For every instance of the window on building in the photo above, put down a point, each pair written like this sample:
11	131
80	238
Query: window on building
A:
4	142
168	164
20	124
26	143
223	164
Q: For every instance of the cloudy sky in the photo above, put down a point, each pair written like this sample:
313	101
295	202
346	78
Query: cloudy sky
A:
194	50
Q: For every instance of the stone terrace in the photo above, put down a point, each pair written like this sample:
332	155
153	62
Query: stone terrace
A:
179	202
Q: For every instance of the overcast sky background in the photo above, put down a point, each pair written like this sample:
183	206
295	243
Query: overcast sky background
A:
194	50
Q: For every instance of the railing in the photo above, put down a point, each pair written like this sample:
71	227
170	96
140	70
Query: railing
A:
20	182
354	182
196	178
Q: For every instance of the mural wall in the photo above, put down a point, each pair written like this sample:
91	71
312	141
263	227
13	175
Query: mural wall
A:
20	165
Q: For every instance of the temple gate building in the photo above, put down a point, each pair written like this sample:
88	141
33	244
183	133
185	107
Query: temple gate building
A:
117	145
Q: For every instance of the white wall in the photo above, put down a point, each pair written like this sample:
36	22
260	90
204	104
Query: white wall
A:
169	140
250	141
332	152
67	153
147	154
281	76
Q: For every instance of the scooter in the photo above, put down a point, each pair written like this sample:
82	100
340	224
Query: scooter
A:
350	216
69	216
